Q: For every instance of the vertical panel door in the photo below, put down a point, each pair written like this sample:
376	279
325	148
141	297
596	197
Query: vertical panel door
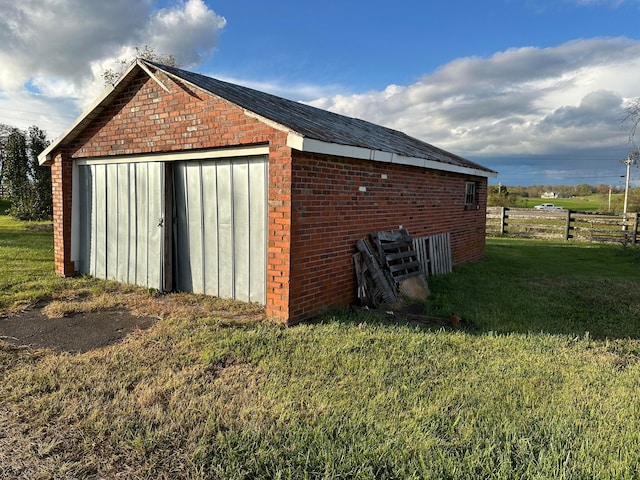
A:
220	209
120	220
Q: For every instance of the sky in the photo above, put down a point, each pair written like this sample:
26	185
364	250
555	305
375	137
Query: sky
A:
535	89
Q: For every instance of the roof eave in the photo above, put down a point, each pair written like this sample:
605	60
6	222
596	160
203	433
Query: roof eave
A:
304	144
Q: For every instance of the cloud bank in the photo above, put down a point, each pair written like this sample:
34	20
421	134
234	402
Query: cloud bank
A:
524	101
60	49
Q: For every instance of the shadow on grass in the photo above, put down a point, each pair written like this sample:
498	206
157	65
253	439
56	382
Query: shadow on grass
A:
357	315
533	286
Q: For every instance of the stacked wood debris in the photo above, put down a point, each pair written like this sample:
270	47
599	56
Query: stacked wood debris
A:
387	266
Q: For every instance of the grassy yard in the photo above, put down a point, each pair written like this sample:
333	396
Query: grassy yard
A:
542	384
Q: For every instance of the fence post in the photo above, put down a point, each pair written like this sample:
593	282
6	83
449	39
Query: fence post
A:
503	216
634	232
567	227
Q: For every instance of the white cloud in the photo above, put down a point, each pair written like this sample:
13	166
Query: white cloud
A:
190	33
60	49
23	109
606	3
59	39
520	101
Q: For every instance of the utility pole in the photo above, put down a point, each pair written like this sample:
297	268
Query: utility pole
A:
631	159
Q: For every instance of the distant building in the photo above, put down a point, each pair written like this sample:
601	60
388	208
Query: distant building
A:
549	195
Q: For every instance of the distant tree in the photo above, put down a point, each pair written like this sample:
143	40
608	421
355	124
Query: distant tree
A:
41	176
583	190
5	131
632	119
536	191
499	197
520	191
563	191
111	75
28	185
16	170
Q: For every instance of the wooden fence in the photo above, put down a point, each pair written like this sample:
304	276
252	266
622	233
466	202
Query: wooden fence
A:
566	224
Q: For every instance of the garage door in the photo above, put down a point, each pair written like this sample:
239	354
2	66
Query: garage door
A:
220	218
120	216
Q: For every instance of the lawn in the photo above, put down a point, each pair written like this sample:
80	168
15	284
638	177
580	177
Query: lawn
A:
542	383
590	203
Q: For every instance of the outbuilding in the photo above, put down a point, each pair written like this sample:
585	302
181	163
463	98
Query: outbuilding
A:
177	181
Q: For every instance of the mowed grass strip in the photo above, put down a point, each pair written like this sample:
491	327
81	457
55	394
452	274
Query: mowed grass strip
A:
543	384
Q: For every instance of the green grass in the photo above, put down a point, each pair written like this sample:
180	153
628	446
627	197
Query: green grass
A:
542	385
26	259
547	286
591	203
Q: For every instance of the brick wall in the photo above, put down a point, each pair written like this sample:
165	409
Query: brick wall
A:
330	212
145	119
61	169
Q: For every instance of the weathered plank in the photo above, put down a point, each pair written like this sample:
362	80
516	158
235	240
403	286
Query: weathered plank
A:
420	245
440	254
378	289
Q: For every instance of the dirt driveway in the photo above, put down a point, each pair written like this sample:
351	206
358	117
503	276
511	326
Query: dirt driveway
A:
76	333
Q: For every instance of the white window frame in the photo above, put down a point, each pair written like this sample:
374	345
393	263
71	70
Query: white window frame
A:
470	194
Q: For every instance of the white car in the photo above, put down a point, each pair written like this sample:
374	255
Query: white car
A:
548	206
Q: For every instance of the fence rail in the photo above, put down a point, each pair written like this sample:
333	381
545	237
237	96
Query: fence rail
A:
566	224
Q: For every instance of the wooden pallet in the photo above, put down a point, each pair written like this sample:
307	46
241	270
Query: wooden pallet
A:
374	287
434	253
398	255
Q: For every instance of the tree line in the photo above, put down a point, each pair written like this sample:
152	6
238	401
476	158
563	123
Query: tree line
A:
25	183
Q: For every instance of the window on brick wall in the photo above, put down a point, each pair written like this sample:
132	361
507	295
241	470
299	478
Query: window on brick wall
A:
470	194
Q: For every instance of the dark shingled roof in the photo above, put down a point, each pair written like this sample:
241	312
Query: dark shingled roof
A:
318	124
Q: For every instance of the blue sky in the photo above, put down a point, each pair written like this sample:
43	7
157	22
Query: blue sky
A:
535	89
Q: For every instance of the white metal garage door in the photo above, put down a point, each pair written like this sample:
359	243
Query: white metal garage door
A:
216	244
120	213
220	229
